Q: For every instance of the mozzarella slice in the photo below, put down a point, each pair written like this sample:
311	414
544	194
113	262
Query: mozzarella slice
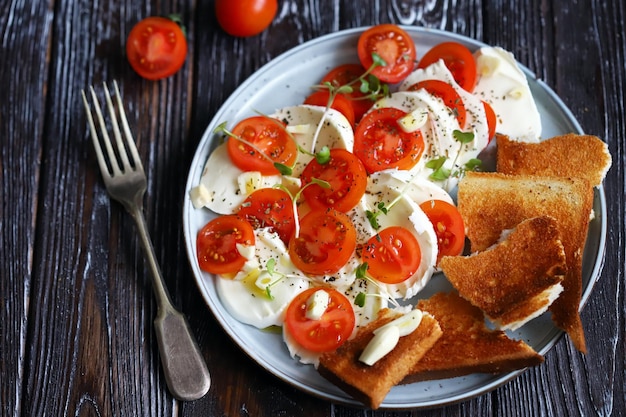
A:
504	86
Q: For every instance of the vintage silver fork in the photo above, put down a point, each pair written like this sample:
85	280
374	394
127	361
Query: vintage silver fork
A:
185	370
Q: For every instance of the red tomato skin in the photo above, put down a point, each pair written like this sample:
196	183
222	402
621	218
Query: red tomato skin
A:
156	48
459	60
261	130
345	74
269	207
395	47
492	120
380	143
340	103
216	244
325	335
346	175
393	255
244	18
326	241
448	225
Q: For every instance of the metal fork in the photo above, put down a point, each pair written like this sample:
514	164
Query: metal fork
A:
185	371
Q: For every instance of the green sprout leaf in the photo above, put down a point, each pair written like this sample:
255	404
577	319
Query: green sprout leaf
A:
463	137
440	172
359	300
283	169
323	156
378	60
361	271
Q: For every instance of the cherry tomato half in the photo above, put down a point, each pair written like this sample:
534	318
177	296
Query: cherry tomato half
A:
330	331
326	241
216	244
346	74
448	94
269	207
393	255
457	58
448	225
340	103
347	178
380	143
394	46
156	47
245	17
271	143
492	120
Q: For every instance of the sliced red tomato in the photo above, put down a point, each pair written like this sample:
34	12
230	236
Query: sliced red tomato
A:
326	241
394	46
380	143
393	255
330	331
448	225
347	178
272	144
346	74
216	244
156	47
270	207
340	103
447	93
457	58
492	120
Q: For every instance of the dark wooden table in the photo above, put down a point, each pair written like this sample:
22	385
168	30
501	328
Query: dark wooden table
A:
76	307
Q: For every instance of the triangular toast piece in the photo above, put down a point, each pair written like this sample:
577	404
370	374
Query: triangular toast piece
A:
516	279
492	202
570	155
467	345
371	384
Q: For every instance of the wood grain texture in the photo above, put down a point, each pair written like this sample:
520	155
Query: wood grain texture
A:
76	335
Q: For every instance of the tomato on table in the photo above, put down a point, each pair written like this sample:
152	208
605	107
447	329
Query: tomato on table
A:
270	207
449	227
326	241
346	74
380	143
347	178
330	331
339	103
447	93
245	18
393	45
216	244
492	120
272	144
393	255
156	47
457	58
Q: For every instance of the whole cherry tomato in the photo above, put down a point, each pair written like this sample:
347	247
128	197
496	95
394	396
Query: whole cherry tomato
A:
245	18
156	47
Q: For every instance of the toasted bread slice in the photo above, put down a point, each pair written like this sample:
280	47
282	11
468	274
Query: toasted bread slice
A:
467	345
370	384
569	155
493	202
516	279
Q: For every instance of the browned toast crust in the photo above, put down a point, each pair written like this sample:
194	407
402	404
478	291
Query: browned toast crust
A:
467	346
569	155
516	279
370	384
492	202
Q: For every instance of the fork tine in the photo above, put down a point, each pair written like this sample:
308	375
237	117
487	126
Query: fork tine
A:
104	169
116	128
132	147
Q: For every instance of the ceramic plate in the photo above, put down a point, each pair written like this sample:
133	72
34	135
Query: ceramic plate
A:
286	81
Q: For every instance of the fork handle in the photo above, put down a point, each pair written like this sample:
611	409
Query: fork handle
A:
184	367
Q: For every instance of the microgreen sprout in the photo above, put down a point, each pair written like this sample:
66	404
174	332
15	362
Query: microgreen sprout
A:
441	173
361	273
296	197
322	156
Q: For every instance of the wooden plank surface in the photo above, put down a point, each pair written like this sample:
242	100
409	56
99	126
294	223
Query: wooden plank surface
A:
76	313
